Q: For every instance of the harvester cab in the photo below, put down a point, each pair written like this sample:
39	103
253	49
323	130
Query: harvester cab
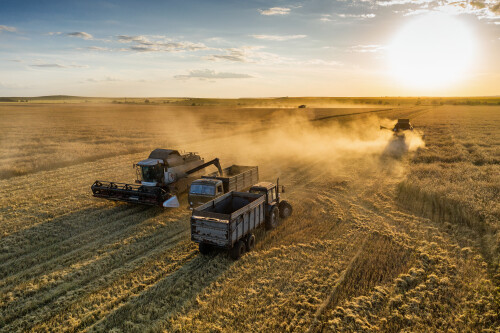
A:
150	172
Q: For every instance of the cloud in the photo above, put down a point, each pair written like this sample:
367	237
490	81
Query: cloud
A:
97	48
80	34
373	48
49	65
7	28
159	44
278	37
248	54
387	3
275	11
106	79
54	33
206	74
254	54
326	18
484	9
56	65
357	16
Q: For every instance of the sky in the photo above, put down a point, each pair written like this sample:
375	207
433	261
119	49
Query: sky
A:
231	49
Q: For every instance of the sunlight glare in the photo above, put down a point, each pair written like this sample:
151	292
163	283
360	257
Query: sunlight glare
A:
432	51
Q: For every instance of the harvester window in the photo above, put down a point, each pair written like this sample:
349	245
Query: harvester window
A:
150	173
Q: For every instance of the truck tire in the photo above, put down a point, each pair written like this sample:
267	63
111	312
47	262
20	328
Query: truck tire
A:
272	219
250	242
204	248
238	250
285	209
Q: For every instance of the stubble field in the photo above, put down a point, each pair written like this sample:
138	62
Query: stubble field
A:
377	241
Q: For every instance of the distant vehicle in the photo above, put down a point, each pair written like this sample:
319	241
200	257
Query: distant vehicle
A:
401	126
229	221
233	178
303	106
160	177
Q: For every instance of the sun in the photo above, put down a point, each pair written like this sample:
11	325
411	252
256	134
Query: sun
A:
432	51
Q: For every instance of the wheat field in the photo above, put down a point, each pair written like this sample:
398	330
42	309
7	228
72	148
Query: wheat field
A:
376	242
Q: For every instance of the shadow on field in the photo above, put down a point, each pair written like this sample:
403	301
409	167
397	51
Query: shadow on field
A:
70	254
85	230
168	297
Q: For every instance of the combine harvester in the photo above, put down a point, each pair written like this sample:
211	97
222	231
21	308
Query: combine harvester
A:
398	144
160	177
401	126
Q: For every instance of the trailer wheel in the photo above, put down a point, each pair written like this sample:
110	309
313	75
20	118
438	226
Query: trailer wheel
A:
250	242
273	218
238	250
204	248
285	209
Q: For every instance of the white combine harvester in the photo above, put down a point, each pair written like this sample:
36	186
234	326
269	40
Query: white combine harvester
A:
160	177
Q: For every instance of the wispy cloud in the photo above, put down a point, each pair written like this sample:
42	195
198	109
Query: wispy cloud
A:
373	48
325	18
254	54
106	79
278	37
57	65
247	54
159	44
485	9
80	34
207	74
7	28
386	3
357	16
275	11
54	33
49	65
97	48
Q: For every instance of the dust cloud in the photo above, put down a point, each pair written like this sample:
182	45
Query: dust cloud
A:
352	146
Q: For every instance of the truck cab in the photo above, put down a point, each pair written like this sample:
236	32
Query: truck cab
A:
203	190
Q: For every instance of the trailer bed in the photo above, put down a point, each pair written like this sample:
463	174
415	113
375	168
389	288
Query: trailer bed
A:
227	219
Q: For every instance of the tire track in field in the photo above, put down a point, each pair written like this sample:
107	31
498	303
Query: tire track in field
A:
40	305
64	250
63	233
97	304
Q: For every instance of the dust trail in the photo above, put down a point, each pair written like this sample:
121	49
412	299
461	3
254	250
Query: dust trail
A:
347	146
